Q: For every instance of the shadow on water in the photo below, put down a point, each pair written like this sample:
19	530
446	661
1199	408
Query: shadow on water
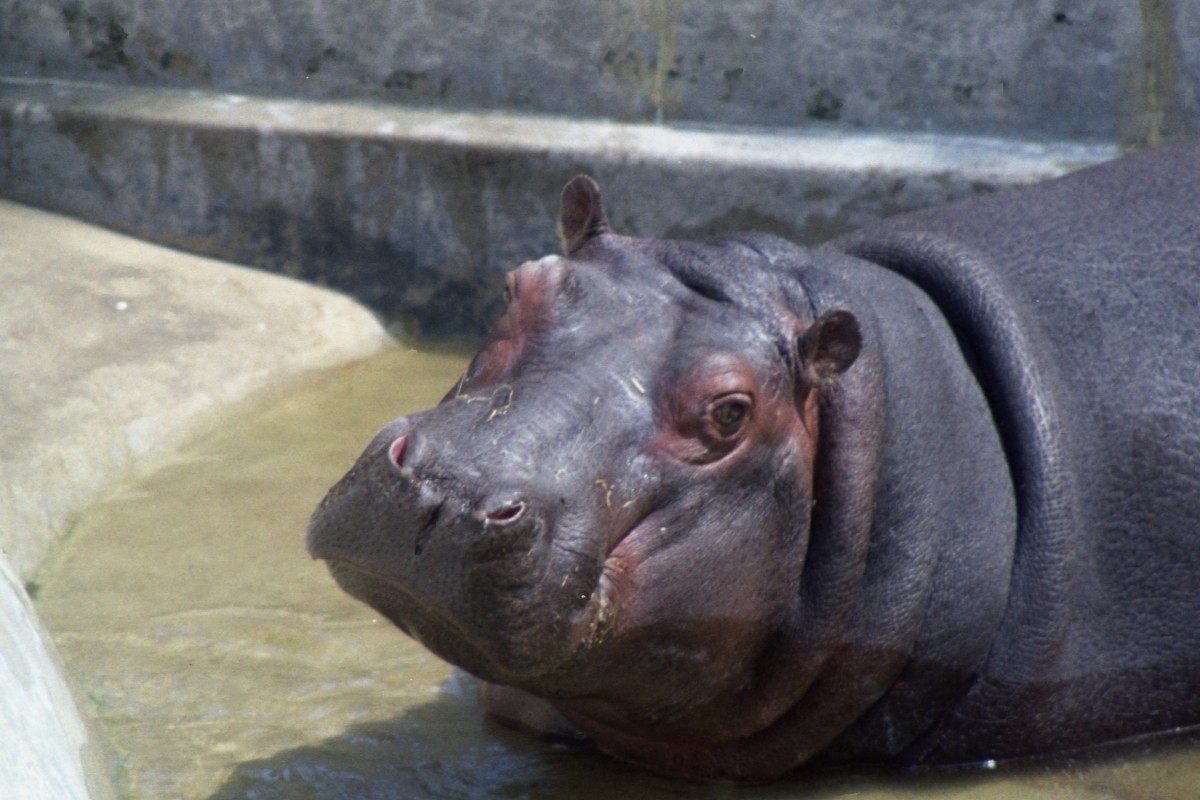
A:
446	750
440	749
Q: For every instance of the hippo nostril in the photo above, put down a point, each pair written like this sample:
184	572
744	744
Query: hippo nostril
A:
506	514
397	451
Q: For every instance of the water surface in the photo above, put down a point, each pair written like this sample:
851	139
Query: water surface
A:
219	661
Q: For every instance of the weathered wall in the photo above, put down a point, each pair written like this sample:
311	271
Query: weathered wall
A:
1033	68
421	219
419	213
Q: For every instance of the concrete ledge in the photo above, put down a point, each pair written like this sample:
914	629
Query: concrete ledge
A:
419	212
113	351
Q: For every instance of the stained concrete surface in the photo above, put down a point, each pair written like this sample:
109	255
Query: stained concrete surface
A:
410	152
113	351
419	212
1059	69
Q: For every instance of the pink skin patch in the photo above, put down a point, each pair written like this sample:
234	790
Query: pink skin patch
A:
531	290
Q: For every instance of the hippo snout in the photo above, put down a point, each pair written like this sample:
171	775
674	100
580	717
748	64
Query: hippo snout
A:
493	512
425	502
461	557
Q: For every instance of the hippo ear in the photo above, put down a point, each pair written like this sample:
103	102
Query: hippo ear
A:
828	347
581	215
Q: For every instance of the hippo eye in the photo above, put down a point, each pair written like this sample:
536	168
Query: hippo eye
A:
728	413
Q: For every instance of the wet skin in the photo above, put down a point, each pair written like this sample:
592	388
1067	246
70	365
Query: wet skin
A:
725	508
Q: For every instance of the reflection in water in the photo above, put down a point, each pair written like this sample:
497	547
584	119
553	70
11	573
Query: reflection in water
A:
221	662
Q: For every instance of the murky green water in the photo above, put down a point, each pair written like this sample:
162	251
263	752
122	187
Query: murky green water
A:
221	662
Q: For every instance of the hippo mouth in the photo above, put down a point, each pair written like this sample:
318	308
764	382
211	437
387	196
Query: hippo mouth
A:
442	633
532	640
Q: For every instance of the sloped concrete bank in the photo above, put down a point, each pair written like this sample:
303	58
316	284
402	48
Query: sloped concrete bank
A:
419	212
113	351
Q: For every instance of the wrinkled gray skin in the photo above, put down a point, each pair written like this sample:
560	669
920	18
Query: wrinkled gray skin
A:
927	495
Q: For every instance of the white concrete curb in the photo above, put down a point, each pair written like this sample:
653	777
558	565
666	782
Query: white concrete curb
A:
42	738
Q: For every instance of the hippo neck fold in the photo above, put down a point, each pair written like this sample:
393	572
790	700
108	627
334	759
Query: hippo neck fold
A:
933	590
968	290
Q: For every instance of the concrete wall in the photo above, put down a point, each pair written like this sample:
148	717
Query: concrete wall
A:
1098	69
419	213
253	130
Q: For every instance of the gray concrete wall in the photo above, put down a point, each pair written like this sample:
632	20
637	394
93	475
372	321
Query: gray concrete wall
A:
1095	69
352	142
419	213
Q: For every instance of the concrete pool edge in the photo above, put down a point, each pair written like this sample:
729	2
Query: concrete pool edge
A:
112	352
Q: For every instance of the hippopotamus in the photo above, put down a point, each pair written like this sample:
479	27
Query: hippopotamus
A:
927	494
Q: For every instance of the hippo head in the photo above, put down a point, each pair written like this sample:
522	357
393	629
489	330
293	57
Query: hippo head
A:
611	507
